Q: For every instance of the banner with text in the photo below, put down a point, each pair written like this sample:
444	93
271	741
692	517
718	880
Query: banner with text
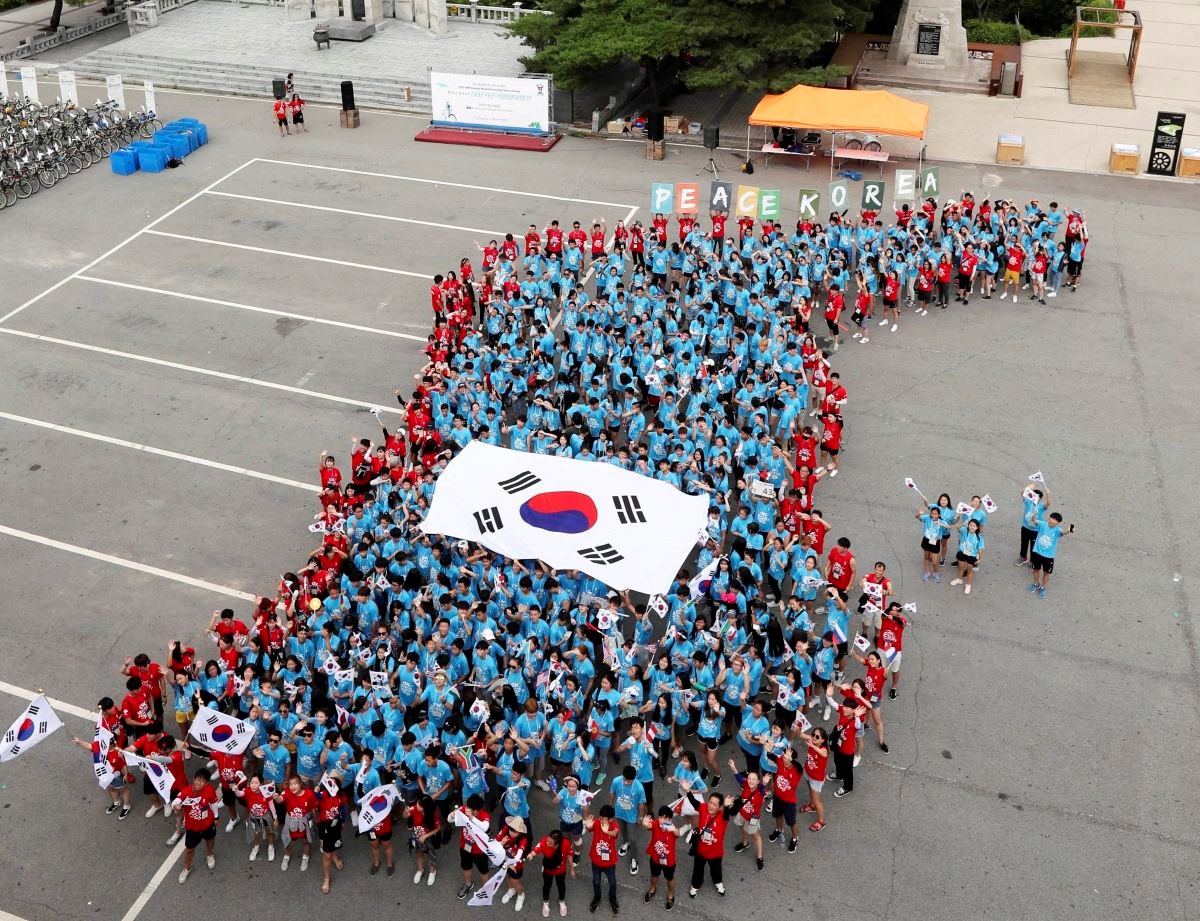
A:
520	104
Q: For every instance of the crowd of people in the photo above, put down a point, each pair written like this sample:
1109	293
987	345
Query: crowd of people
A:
536	718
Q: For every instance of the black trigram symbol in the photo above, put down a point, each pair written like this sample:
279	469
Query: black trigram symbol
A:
520	482
33	709
213	720
231	745
488	520
629	509
603	555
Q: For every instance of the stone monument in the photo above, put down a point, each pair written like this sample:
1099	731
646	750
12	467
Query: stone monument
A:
929	34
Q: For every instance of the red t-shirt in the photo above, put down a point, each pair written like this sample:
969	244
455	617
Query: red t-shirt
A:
1016	256
554	240
891	288
136	707
944	268
816	764
436	298
329	808
578	237
603	850
597	242
685	227
257	804
816	528
883	581
891	634
831	437
228	767
966	265
874	681
848	724
151	675
554	859
661	849
637	240
199	812
1039	264
298	805
806	452
840	561
752	802
464	843
718	226
925	278
835	306
787	776
533	242
711	841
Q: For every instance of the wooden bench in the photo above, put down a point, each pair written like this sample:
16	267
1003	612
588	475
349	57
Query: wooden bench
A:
770	149
856	153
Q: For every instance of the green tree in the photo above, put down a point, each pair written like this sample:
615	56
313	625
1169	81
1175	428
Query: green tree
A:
709	44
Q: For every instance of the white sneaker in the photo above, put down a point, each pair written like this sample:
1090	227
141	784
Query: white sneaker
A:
417	877
895	326
967	590
864	340
1025	287
720	887
623	849
856	336
283	864
211	861
956	581
825	715
270	852
254	853
883	322
542	785
183	875
303	862
545	909
520	902
857	760
562	909
354	817
834	471
432	876
174	839
1051	294
152	811
231	824
1003	295
508	896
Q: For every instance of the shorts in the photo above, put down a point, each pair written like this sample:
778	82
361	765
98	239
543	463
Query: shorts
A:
666	871
785	810
924	296
843	649
815	785
516	872
297	118
968	560
894	666
751	825
182	718
711	744
192	838
118	781
330	834
873	618
832	325
929	546
1013	275
571	829
1037	563
832	452
889	303
1074	266
376	835
1037	277
472	861
282	122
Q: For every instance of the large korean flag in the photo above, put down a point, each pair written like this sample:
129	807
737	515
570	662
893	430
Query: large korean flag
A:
218	732
627	530
37	722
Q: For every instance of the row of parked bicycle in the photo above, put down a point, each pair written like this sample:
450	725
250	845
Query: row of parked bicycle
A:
41	144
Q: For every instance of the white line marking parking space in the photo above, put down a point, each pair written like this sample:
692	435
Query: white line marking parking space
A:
155	881
208	372
289	254
161	452
60	706
127	564
357	327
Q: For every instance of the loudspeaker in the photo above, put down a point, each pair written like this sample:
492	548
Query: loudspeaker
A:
278	87
747	167
655	129
347	96
712	137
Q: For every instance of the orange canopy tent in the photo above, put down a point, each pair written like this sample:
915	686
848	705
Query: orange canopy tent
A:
840	111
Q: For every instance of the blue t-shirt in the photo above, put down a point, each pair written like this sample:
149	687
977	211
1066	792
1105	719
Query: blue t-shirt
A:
1048	536
627	798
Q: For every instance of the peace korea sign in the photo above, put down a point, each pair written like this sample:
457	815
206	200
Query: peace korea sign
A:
627	530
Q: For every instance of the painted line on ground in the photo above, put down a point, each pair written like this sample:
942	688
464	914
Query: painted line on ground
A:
382	217
127	564
290	255
125	242
357	327
60	706
454	185
161	452
155	881
208	372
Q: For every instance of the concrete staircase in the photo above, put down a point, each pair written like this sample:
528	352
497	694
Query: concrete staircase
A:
916	81
254	80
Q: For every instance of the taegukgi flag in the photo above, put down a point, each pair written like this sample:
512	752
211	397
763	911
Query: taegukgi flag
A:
37	722
221	732
627	530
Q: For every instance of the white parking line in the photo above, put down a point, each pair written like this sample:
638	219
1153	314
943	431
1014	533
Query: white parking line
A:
382	217
127	564
208	372
161	452
127	240
60	706
357	327
155	881
289	254
453	185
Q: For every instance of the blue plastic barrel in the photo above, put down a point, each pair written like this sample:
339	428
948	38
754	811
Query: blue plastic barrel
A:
152	159
124	161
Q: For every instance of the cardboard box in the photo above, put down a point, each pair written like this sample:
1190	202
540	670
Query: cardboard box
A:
656	150
676	124
1189	164
1010	149
1124	158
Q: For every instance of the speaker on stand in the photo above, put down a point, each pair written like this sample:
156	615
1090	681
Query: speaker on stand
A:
712	140
349	114
279	87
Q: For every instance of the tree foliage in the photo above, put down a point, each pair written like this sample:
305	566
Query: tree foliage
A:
743	44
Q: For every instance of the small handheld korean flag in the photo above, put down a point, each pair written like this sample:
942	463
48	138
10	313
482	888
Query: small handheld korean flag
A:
37	722
908	481
158	775
584	797
801	722
988	505
658	605
1037	477
219	732
909	607
699	585
1030	494
329	784
861	643
485	893
682	807
629	531
380	680
375	806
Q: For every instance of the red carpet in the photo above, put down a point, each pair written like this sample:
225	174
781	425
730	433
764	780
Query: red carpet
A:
539	143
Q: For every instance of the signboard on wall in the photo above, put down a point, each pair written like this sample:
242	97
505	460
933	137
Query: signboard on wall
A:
1164	149
519	104
929	38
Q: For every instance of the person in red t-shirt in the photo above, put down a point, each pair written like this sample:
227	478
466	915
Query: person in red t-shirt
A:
783	807
891	642
296	105
299	806
599	232
137	710
198	806
554	239
280	108
873	682
708	849
749	814
258	798
806	447
833	311
968	262
661	851
816	765
602	852
533	241
637	244
1013	262
514	838
470	858
877	588
329	831
120	785
425	833
831	441
850	710
556	853
718	227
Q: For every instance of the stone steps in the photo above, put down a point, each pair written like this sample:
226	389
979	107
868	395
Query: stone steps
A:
255	80
917	82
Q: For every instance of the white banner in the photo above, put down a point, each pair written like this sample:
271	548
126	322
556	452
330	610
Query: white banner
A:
37	722
29	85
520	104
67	90
115	87
149	91
627	530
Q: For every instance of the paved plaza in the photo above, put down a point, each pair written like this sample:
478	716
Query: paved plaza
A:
179	348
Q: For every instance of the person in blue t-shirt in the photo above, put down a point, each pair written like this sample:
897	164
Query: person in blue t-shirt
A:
628	799
931	536
1045	549
970	549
